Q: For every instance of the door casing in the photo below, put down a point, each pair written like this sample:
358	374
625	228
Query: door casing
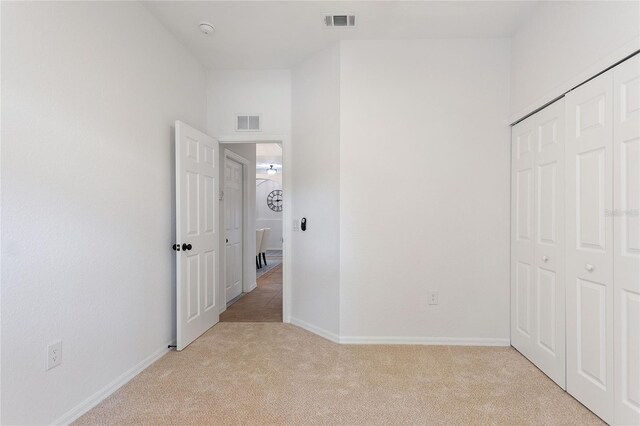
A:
287	184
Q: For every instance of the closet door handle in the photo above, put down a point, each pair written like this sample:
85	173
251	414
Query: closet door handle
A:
186	247
545	258
589	267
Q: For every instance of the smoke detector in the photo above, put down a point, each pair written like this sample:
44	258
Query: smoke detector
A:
206	28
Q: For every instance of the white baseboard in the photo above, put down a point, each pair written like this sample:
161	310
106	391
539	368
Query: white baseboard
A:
401	340
444	341
252	287
86	405
315	330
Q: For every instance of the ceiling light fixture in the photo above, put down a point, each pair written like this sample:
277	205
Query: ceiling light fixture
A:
271	170
206	27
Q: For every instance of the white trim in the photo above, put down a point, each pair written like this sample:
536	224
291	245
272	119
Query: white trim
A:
617	55
315	330
287	220
248	138
76	412
444	341
286	211
400	340
235	157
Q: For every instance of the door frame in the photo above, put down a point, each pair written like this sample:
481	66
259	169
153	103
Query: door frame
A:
246	285
287	185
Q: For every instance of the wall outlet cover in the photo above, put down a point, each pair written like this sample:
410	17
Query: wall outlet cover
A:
54	355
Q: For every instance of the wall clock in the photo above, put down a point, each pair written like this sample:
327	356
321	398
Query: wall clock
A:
274	200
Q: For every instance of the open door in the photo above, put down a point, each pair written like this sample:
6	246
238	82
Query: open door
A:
198	302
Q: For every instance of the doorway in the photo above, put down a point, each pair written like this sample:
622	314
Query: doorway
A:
200	247
262	297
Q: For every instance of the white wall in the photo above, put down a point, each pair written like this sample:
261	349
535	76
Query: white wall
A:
90	92
424	189
265	217
316	191
563	40
266	92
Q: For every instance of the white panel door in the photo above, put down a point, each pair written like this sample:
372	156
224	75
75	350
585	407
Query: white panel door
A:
196	233
626	218
589	243
233	203
548	288
522	236
537	288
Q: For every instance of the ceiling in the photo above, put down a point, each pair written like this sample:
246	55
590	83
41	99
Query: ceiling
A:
267	154
278	34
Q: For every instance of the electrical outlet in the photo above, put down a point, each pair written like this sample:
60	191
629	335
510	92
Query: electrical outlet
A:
54	355
432	298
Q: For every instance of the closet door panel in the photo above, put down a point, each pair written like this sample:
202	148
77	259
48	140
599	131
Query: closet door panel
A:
626	216
538	296
522	236
589	244
549	341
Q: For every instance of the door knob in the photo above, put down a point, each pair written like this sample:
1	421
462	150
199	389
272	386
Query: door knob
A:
186	247
227	240
589	267
545	258
176	247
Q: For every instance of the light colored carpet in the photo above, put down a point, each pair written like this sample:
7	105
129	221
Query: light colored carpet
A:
274	373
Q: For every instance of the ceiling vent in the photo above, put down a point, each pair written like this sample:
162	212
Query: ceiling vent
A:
248	122
339	21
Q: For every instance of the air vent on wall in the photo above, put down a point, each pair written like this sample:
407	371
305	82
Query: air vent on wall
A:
248	122
339	21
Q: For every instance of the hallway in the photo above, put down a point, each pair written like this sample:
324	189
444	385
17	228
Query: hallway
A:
263	304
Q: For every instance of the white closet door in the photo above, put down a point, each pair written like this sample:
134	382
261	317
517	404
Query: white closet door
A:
589	242
626	217
522	236
537	288
549	289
